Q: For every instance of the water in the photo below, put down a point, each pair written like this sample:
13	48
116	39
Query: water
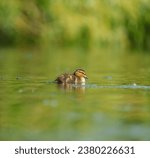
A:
113	105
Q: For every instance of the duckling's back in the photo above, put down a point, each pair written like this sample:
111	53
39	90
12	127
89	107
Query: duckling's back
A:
65	78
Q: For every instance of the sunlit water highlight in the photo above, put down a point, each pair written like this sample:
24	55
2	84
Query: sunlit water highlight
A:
133	86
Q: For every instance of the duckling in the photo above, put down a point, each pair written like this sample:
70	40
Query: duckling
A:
79	76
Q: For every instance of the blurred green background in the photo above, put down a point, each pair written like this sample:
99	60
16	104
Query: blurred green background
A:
40	39
86	23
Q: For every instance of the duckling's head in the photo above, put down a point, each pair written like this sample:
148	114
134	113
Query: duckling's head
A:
80	73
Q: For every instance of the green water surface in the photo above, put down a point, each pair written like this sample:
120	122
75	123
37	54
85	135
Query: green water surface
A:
113	105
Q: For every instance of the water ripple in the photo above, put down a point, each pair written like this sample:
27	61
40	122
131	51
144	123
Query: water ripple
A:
133	86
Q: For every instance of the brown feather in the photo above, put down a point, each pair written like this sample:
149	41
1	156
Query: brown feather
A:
77	77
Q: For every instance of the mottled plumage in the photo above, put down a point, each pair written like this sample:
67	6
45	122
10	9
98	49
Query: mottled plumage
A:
79	76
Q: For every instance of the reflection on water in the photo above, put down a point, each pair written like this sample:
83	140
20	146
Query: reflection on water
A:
79	88
113	105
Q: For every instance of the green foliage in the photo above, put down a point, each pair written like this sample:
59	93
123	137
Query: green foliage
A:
85	23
